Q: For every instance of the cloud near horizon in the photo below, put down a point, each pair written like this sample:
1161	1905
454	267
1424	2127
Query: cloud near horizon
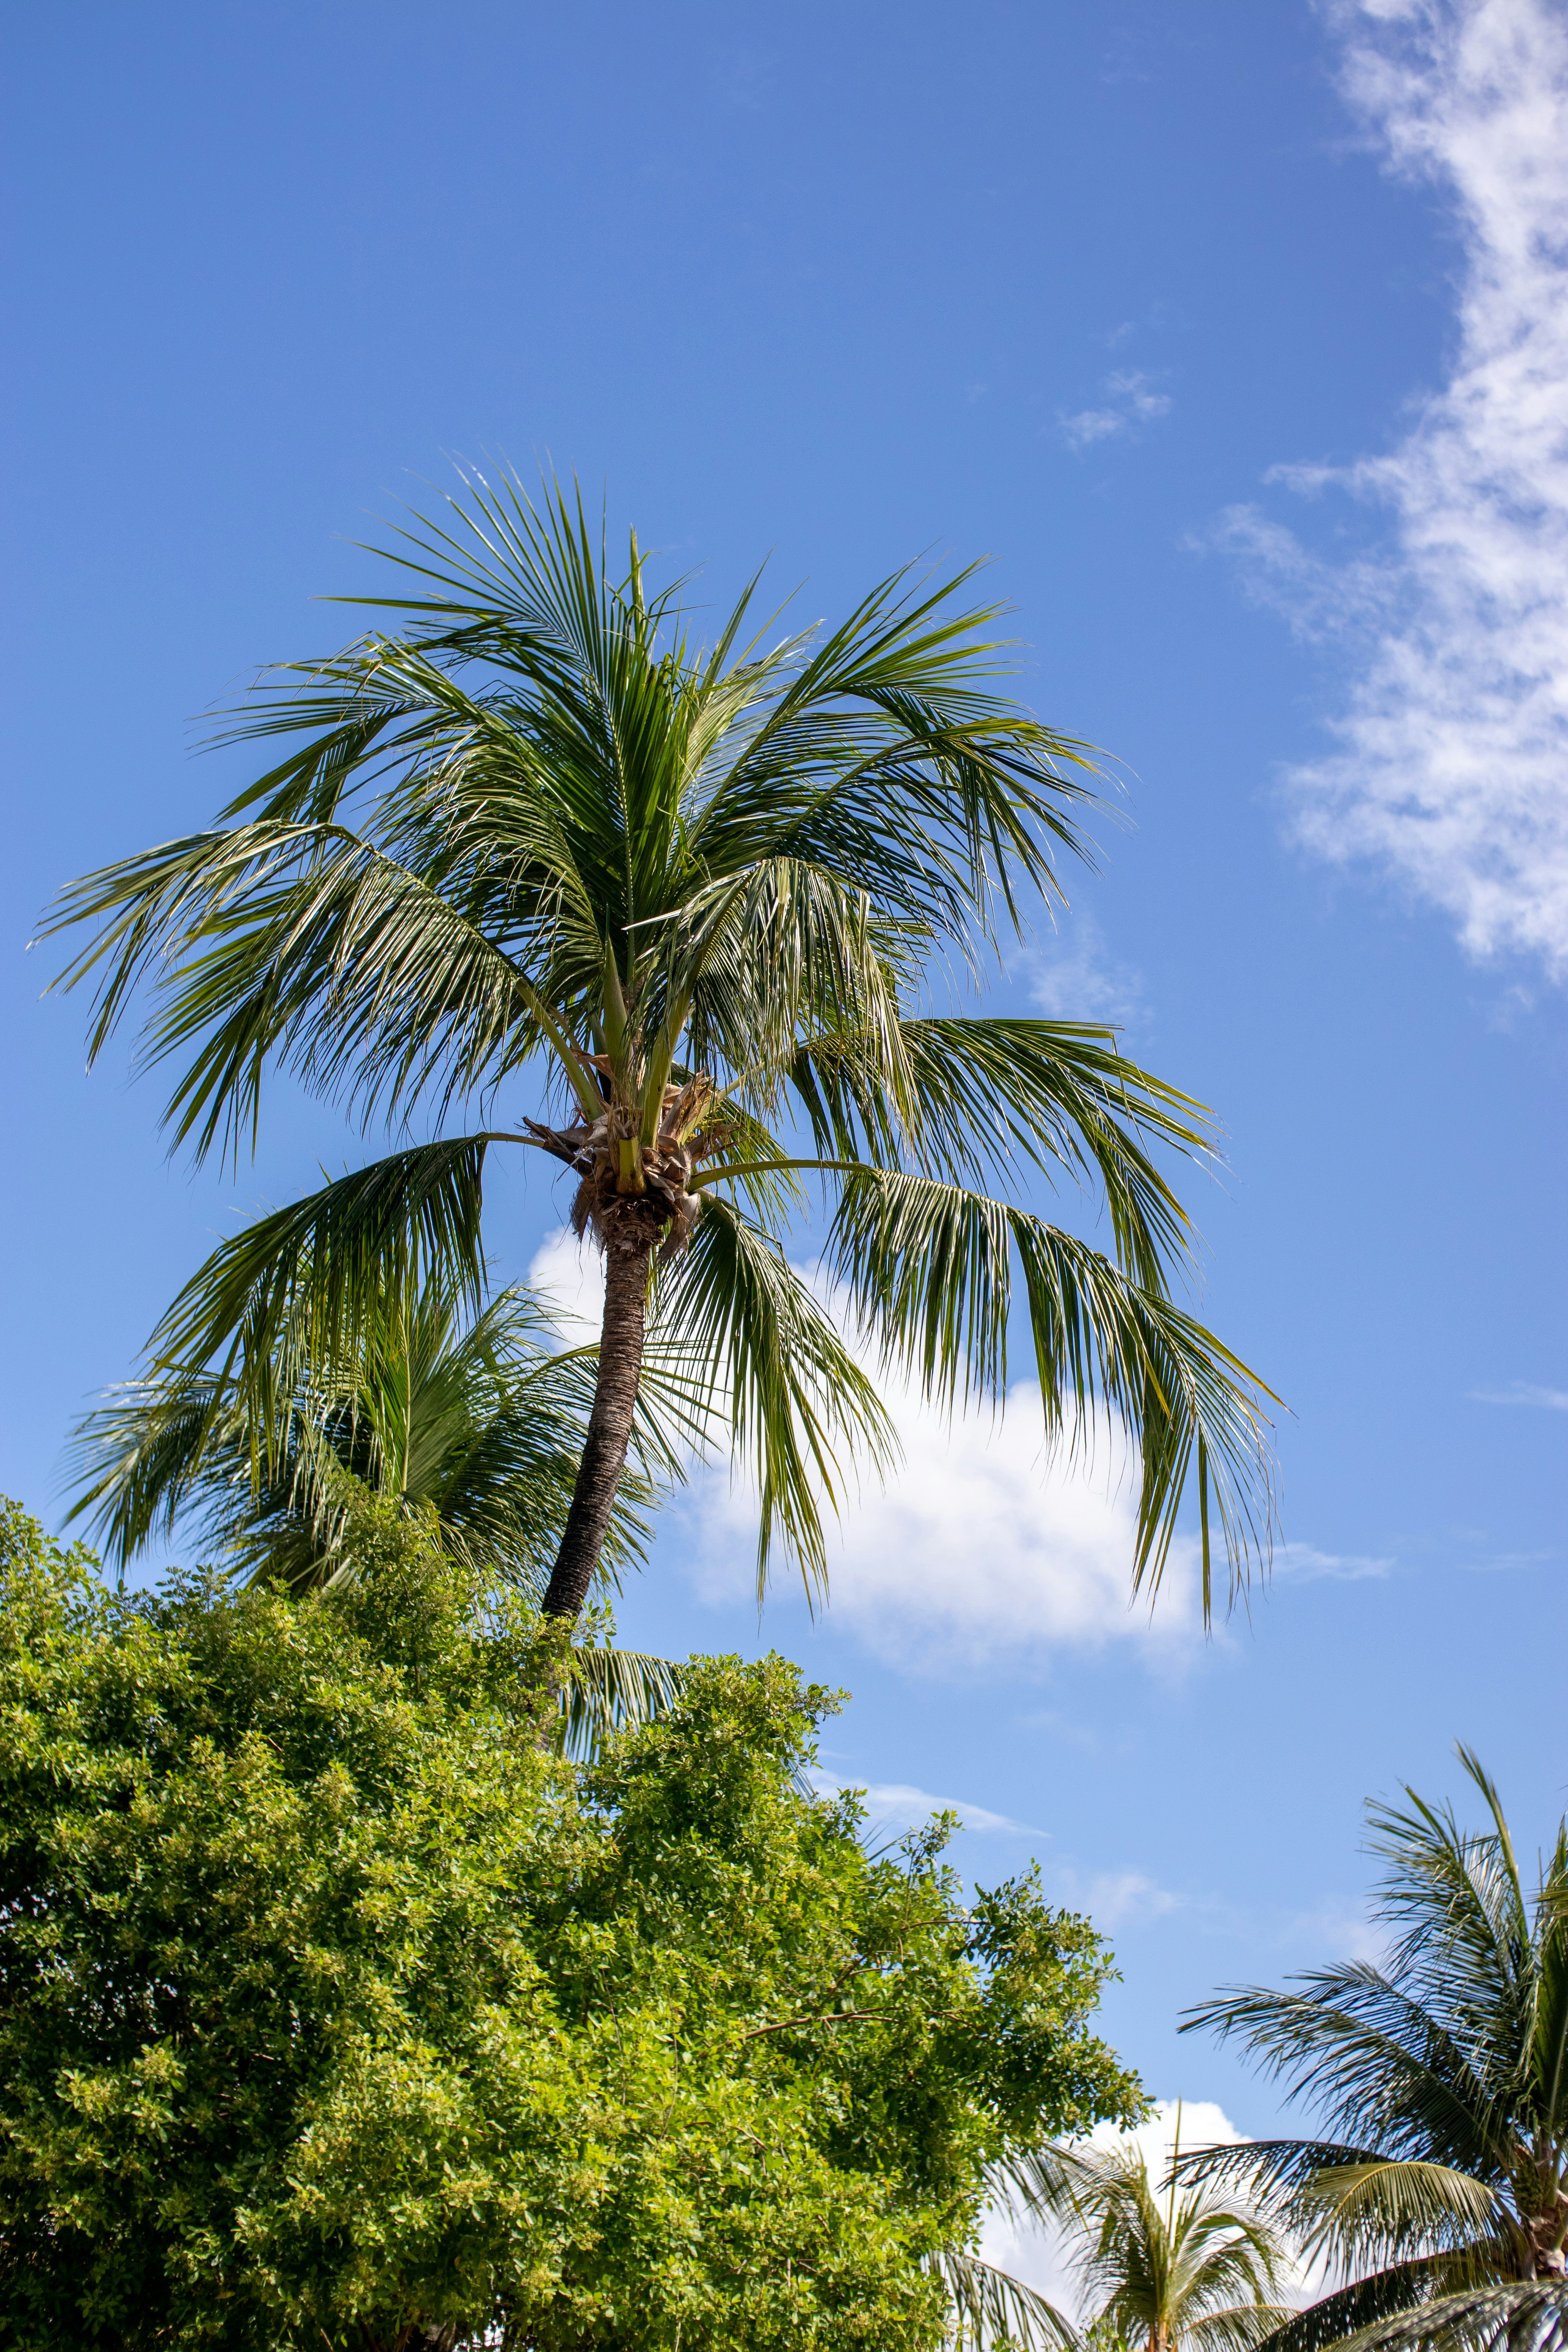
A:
1451	769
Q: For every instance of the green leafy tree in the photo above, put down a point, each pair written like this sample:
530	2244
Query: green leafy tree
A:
1439	2185
699	890
337	2009
1157	2264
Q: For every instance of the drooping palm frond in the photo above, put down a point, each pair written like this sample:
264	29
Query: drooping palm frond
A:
795	1397
698	891
928	1267
989	2308
1522	2317
605	1689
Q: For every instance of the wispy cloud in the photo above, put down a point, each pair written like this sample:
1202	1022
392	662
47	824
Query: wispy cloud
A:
1131	402
1073	977
1451	762
1119	1898
894	1805
1523	1393
1305	1562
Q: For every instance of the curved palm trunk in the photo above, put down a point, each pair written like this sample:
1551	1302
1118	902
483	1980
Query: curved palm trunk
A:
609	1424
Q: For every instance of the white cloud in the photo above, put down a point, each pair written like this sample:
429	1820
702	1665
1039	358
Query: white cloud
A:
1131	402
980	1547
980	1544
1073	977
1523	1393
1119	1898
1451	765
572	1276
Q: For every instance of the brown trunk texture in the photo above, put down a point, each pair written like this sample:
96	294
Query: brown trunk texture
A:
610	1422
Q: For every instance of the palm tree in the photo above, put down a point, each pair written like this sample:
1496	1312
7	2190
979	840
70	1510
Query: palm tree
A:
479	1421
701	888
1439	2182
1156	2268
473	1426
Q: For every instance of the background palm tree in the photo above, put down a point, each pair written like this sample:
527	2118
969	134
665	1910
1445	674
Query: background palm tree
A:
704	887
1438	2184
1156	2267
475	1425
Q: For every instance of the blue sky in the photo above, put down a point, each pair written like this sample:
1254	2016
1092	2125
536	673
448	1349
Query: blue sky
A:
1238	337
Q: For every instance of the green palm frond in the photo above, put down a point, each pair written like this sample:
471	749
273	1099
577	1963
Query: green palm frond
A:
604	1690
1524	2317
990	2307
928	1268
796	1400
1385	2294
302	1284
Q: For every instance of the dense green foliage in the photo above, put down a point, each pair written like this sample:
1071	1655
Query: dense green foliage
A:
1436	2184
338	2008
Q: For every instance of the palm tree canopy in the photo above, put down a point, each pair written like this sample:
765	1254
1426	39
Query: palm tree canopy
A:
701	889
1437	2183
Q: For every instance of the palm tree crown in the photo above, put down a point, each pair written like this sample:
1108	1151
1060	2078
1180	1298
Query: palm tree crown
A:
702	887
1439	2182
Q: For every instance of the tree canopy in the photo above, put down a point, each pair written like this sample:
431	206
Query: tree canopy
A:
337	2007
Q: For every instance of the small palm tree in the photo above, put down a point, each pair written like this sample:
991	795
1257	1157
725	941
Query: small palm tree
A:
474	1426
699	889
1156	2267
477	1422
1439	2185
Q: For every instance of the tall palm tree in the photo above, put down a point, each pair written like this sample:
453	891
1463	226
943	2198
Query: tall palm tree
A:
700	888
1156	2266
1438	2184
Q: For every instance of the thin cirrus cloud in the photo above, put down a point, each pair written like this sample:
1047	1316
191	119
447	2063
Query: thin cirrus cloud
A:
1129	402
1449	768
891	1806
1073	977
1523	1393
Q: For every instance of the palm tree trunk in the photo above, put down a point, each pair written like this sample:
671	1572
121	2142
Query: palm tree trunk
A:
610	1422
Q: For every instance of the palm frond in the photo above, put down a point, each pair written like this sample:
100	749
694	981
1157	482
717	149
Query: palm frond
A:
990	2307
801	1408
1532	2316
604	1690
300	1283
927	1266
